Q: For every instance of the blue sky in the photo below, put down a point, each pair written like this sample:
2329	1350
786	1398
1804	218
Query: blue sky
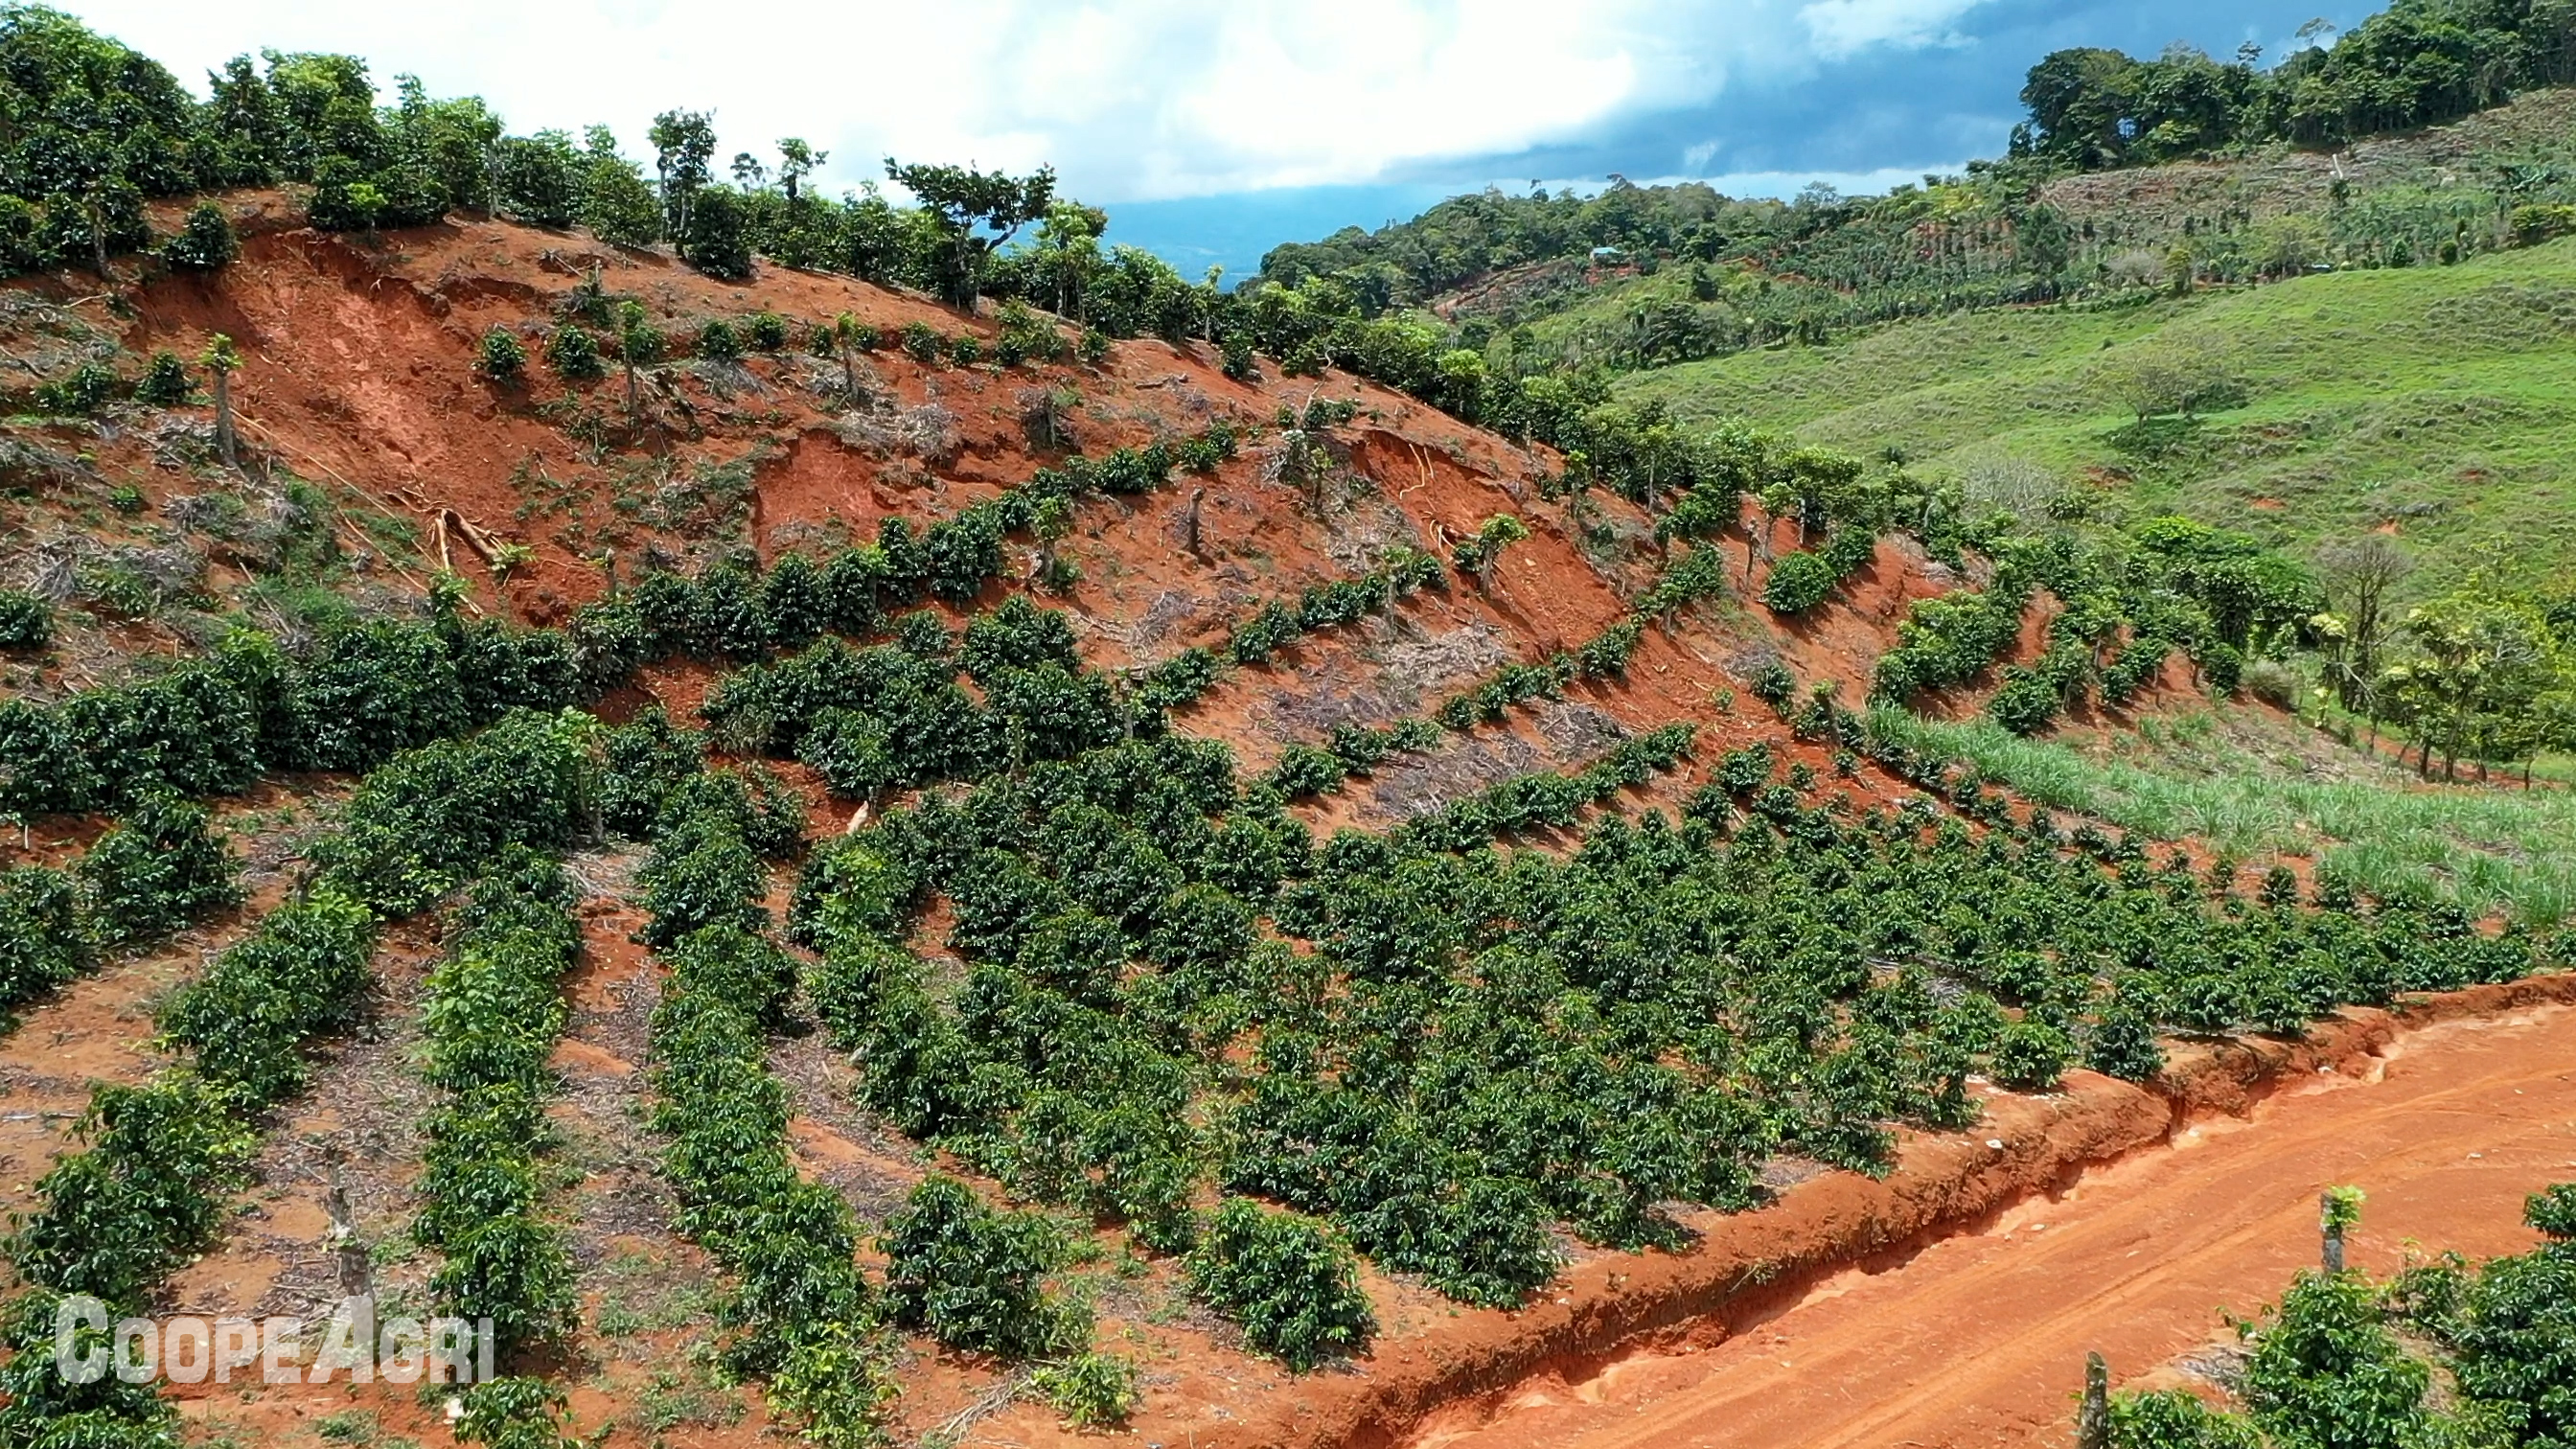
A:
1883	114
1214	132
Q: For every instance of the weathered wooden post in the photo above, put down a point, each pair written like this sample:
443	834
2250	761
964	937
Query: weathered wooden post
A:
2338	1208
2093	1421
357	1265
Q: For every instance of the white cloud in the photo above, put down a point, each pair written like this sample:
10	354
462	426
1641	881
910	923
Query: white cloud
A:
1783	185
1838	28
1786	184
1130	99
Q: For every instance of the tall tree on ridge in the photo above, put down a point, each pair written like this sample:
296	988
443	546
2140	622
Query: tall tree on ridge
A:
684	148
964	203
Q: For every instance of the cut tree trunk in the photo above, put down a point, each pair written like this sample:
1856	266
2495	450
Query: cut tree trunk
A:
2093	1420
225	445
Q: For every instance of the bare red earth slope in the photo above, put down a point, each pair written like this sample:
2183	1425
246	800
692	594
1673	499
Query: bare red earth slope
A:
359	397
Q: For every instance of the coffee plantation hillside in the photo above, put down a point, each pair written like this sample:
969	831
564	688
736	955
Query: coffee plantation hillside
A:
846	842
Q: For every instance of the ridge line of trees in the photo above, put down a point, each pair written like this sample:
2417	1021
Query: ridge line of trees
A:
2416	63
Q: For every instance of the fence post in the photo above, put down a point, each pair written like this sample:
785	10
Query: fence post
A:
355	1263
2093	1421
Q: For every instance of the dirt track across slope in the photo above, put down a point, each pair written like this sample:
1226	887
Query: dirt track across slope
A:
1979	1339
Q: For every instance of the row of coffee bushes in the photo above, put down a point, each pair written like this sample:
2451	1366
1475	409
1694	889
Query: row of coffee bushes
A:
1304	770
897	716
1547	801
1040	1085
808	1322
1182	679
1698	574
215	725
2167	584
802	1314
490	1020
735	612
1800	581
160	867
146	1190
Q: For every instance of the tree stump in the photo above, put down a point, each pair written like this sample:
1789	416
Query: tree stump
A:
2093	1421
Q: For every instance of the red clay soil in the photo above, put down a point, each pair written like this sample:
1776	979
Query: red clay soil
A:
1952	1303
358	377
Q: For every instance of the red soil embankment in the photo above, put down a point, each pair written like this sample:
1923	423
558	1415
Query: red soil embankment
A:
1952	1302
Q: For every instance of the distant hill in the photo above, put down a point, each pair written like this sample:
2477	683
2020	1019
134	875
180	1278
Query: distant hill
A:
2437	403
2432	131
1965	244
2378	387
2014	230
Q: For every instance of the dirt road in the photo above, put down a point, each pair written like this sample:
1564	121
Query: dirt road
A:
1979	1340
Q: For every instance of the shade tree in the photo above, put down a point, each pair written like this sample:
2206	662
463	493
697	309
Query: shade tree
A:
974	212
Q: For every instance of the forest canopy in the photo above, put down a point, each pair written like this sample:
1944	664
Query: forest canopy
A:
2417	63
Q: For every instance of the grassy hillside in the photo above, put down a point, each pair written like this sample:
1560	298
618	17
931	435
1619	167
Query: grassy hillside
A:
2259	214
2256	785
2439	402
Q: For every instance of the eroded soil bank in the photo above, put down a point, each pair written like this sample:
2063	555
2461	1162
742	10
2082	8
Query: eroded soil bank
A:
1952	1303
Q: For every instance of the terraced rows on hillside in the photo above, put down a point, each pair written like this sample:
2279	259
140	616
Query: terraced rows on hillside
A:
692	835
